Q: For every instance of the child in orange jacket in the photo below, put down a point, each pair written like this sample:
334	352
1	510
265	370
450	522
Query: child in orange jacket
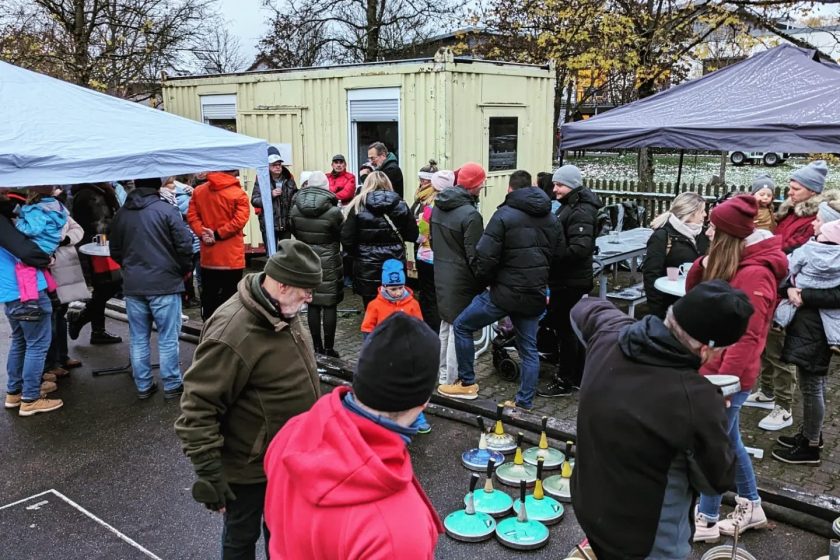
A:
393	297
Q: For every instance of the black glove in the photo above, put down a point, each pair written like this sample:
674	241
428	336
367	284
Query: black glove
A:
211	488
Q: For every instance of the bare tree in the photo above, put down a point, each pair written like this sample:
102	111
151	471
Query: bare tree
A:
220	51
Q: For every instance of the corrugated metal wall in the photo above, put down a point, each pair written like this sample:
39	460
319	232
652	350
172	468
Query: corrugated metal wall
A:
445	111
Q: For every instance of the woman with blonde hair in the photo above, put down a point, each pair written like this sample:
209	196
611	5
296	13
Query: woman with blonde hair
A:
677	238
751	260
377	225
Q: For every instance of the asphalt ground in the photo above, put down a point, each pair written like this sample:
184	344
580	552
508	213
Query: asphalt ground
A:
104	478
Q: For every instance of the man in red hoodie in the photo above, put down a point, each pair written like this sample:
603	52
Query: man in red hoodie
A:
340	481
342	182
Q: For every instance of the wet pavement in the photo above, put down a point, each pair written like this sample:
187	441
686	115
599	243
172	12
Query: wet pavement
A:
104	478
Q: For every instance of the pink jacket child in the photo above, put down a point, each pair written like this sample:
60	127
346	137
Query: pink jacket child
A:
44	221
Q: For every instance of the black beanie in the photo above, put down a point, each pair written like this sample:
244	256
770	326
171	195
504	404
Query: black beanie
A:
398	365
714	313
148	183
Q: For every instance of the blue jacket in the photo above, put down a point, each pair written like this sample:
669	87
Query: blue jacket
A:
14	247
151	242
43	222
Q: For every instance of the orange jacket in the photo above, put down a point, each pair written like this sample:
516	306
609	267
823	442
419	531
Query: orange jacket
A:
221	205
380	309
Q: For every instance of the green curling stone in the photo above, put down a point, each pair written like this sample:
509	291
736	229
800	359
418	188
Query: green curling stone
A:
553	457
467	524
521	533
542	508
489	500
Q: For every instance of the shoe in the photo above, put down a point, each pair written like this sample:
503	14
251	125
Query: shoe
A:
332	353
423	426
171	394
801	454
514	404
319	349
104	337
76	319
13	401
56	372
747	515
48	387
192	303
49	377
776	420
760	400
143	395
798	439
705	530
557	388
41	405
71	364
458	390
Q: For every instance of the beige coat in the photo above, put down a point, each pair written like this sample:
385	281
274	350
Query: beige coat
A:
66	270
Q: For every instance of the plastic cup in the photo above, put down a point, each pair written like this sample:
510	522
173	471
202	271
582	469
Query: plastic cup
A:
673	273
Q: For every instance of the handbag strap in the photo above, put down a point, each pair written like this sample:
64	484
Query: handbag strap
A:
393	227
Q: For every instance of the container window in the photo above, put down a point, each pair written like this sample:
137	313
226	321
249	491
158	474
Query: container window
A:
503	141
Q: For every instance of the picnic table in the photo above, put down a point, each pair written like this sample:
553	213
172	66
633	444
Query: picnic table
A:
618	247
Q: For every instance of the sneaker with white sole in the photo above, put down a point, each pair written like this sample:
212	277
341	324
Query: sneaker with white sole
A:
12	401
777	420
760	400
705	530
41	405
747	515
458	390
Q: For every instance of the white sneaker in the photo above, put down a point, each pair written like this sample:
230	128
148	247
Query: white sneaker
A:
747	515
776	420
704	530
760	400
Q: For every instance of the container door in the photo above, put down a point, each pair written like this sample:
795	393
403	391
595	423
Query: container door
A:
374	116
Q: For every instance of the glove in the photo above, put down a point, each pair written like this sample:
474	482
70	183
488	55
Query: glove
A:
211	488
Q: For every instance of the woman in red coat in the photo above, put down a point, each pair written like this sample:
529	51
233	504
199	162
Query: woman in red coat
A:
752	261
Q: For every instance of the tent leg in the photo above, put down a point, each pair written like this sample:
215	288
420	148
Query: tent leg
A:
560	161
679	172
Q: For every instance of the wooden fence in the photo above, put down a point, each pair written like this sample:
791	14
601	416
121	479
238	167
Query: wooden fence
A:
659	199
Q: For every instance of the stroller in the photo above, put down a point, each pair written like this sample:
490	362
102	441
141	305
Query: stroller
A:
505	341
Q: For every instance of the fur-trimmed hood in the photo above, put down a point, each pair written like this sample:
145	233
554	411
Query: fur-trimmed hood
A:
809	207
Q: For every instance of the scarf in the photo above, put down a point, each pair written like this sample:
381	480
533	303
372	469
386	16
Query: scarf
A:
392	299
689	230
426	194
168	196
349	402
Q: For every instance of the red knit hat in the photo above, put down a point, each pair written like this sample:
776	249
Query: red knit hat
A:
736	216
471	175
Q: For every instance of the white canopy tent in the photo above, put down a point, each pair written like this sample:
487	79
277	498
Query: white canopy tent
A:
54	132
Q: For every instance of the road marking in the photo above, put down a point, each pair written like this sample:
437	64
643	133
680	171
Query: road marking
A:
71	503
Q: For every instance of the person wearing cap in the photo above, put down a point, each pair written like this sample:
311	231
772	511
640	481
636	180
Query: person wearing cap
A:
153	245
342	182
652	433
570	277
513	258
218	214
394	297
455	228
283	190
253	370
794	220
763	189
424	200
750	260
340	480
386	162
316	220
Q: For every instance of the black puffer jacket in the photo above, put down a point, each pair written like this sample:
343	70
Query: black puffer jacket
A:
150	240
572	268
456	228
515	252
316	220
805	341
371	240
668	248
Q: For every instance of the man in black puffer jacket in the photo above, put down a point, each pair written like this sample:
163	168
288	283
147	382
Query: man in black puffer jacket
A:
513	257
571	273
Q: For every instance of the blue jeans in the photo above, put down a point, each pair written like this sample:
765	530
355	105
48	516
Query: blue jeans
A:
482	312
744	474
28	350
165	311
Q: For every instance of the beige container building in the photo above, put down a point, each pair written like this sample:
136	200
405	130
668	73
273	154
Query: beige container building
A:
448	109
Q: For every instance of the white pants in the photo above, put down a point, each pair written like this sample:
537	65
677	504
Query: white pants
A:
448	371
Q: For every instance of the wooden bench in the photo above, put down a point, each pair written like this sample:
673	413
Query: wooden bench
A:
634	295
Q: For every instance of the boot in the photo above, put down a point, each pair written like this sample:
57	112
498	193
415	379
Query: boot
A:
76	319
331	353
747	515
104	337
705	530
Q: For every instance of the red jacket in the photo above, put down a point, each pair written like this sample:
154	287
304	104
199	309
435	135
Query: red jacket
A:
221	205
763	265
380	309
343	185
341	487
793	222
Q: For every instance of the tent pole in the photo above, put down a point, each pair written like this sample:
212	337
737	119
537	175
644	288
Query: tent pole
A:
264	179
679	172
562	153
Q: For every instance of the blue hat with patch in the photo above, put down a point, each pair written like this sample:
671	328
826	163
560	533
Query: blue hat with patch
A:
393	273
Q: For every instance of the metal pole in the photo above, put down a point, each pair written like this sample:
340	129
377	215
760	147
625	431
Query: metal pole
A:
679	172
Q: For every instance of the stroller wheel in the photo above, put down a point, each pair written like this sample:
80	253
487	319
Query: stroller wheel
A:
508	369
499	355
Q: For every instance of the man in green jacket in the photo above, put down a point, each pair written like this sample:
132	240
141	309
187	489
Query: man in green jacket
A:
254	369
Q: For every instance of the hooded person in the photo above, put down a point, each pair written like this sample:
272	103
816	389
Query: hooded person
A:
640	465
455	228
254	369
763	189
340	480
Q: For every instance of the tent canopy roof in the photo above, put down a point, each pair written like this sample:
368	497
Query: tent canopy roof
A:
58	133
783	99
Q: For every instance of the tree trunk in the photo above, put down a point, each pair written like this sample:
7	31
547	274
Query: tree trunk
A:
645	169
722	176
372	24
81	57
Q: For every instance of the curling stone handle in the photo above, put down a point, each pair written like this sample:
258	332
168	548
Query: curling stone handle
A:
522	492
480	422
520	437
568	449
834	549
500	408
544	422
491	466
473	482
540	461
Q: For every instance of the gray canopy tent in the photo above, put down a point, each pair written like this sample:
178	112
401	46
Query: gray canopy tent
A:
785	99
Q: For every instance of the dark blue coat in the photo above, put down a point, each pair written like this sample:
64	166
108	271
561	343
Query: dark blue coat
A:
151	242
